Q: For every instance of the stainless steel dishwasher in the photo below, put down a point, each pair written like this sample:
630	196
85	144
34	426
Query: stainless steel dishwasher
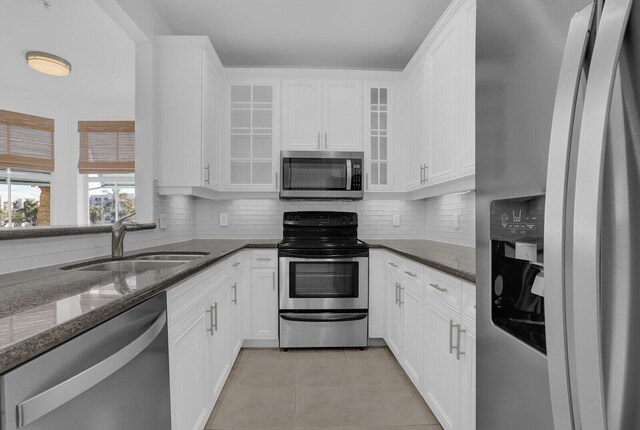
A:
113	377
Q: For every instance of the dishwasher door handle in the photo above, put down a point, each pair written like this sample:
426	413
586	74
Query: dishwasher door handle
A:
41	404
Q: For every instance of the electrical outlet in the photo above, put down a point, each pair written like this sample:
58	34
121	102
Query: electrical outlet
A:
224	220
396	220
456	220
163	221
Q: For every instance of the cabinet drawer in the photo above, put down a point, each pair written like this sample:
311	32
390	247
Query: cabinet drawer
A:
393	264
444	288
182	298
264	258
469	301
412	271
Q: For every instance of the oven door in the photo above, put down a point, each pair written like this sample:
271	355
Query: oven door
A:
324	283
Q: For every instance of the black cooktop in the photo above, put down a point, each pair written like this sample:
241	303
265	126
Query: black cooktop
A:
321	230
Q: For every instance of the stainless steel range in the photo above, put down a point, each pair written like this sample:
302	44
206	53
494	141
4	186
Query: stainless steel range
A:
324	281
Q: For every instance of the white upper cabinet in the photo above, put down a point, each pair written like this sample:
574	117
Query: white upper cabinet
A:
251	135
416	119
443	104
188	112
301	114
440	86
322	114
379	97
342	115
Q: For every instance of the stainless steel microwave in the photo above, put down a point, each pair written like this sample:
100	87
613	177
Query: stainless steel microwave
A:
321	175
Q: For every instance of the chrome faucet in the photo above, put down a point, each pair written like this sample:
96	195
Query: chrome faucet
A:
118	232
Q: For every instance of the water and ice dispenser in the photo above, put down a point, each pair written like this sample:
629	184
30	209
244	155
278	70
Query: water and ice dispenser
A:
517	268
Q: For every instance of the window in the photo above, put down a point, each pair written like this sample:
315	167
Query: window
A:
24	198
26	163
111	197
107	157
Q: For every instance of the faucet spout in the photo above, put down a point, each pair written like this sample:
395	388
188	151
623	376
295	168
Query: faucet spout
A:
118	231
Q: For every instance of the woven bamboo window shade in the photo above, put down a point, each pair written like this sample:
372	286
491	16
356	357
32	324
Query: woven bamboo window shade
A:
26	141
107	146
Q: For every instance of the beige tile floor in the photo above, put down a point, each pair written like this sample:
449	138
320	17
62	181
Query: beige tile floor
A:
320	389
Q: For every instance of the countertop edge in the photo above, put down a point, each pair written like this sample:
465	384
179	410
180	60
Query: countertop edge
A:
47	340
39	232
465	276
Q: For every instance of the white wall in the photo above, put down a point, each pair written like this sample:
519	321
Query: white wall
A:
440	211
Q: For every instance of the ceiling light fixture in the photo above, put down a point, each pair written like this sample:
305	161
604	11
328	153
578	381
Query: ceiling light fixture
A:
48	63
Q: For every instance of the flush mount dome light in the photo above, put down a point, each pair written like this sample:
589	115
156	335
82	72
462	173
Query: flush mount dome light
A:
48	63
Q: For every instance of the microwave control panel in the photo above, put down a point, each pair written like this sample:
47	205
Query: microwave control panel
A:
356	177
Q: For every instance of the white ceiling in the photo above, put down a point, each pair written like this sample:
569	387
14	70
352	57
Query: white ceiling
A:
361	34
102	56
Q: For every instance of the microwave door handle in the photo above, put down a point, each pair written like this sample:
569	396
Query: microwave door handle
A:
601	89
557	173
349	174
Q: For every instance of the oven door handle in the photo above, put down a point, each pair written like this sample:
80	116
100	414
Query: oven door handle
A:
309	317
331	257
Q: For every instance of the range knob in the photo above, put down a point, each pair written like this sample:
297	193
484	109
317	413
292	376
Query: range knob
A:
345	218
297	218
289	218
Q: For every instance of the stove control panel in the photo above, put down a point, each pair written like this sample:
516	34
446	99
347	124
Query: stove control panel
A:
320	218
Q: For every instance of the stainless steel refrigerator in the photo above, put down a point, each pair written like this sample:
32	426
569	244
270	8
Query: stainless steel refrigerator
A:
558	214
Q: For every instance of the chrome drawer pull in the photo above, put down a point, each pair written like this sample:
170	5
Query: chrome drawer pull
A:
438	287
392	264
263	259
410	274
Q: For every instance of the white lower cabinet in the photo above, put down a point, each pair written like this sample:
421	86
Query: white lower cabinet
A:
219	341
442	370
188	358
411	302
430	329
377	294
240	302
264	303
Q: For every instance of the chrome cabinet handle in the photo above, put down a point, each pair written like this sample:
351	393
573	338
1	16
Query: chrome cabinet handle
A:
276	175
397	300
215	312
410	274
587	227
562	126
457	347
325	140
366	181
400	289
392	264
273	279
211	323
41	404
235	293
450	336
421	174
207	178
236	264
319	140
438	287
263	259
426	173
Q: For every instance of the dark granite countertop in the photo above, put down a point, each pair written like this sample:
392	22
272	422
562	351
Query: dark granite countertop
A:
456	260
42	308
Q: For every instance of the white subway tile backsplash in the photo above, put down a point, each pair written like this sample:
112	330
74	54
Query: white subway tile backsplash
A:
439	218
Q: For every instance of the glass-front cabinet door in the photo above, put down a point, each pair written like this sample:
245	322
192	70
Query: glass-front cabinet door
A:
252	135
378	135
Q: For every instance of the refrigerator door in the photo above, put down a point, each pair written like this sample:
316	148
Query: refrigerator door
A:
520	47
606	251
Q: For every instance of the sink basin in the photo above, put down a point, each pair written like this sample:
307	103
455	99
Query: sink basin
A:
130	266
171	257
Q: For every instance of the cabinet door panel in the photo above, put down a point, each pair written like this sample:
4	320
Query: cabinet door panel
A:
264	304
342	115
211	127
441	386
412	298
189	363
396	334
416	141
468	393
220	340
444	107
301	114
379	134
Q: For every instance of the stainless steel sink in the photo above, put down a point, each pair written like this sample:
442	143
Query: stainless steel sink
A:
129	266
171	257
